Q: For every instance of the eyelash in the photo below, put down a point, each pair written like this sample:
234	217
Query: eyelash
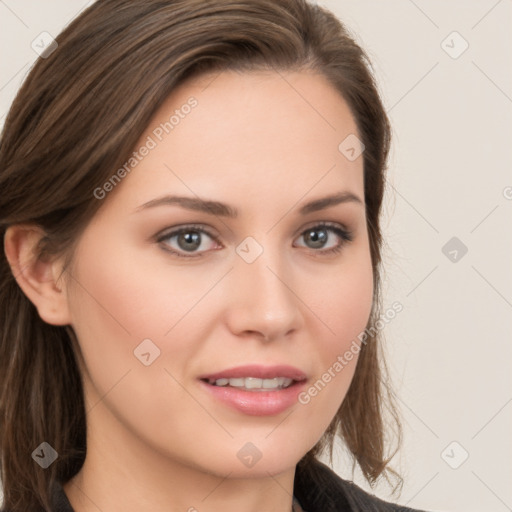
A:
345	236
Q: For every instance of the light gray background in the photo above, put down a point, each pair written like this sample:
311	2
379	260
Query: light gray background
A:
450	176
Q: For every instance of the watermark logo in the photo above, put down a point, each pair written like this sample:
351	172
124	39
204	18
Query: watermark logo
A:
455	455
45	455
44	45
454	45
454	249
351	147
249	250
146	352
249	454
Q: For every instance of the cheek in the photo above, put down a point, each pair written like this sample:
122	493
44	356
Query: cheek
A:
126	294
121	298
343	301
343	305
351	308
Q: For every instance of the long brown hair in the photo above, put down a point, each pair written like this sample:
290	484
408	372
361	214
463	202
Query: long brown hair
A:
77	117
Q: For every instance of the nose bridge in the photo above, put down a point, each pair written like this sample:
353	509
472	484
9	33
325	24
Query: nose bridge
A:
264	299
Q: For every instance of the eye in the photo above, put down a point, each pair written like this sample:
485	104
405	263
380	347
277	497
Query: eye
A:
193	241
326	238
188	241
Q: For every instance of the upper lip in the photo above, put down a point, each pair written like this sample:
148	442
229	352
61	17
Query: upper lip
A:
258	371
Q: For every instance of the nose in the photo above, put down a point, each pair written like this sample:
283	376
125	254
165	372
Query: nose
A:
262	299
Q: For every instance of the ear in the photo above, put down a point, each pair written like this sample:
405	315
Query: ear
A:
38	278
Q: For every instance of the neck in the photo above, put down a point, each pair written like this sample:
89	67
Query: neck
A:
123	473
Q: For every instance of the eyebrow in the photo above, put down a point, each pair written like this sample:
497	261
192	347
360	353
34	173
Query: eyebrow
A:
223	210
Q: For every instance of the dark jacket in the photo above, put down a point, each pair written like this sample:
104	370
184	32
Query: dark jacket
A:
317	489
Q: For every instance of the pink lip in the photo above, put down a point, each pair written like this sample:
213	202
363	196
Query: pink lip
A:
258	371
257	403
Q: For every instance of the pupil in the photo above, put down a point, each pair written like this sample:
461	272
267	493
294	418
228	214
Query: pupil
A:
317	237
189	240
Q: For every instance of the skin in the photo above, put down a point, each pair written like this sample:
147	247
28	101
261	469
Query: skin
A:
265	143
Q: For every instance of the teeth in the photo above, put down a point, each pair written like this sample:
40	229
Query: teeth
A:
253	383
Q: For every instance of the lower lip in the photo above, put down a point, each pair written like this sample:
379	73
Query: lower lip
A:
256	403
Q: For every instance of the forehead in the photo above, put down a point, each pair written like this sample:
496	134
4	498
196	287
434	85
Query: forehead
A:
248	135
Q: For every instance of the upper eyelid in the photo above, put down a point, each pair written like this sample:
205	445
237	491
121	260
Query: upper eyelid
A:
167	232
327	224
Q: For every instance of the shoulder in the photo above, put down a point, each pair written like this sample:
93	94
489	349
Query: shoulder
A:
319	488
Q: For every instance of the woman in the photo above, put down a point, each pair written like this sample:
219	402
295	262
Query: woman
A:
190	209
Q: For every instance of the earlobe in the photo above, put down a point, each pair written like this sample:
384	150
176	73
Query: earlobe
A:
37	277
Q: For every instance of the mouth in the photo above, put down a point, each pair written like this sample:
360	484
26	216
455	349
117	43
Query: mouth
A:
256	390
253	383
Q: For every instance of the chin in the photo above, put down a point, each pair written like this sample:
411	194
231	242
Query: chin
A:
260	457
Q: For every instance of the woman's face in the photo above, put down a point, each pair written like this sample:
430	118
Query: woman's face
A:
251	267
